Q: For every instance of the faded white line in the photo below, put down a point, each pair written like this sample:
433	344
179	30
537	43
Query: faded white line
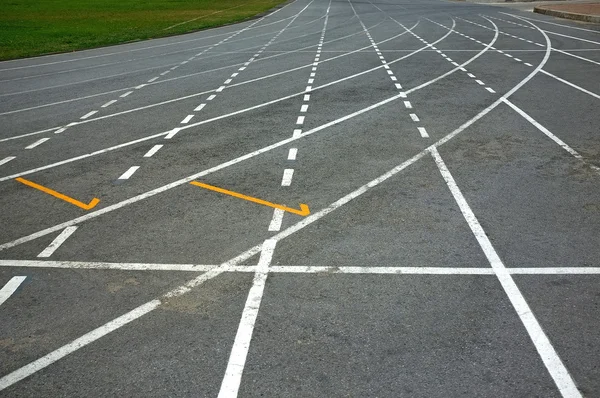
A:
11	286
56	243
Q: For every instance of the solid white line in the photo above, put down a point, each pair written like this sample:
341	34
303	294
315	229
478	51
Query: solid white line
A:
241	344
11	286
103	265
57	242
423	132
7	159
88	115
187	119
275	224
547	132
129	173
382	270
286	180
551	23
292	153
153	150
571	84
125	94
553	363
76	344
38	142
571	37
490	90
108	103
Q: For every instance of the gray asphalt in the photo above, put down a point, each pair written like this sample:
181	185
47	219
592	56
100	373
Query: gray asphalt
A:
448	153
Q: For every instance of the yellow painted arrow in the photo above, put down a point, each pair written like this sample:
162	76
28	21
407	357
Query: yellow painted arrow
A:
304	211
58	195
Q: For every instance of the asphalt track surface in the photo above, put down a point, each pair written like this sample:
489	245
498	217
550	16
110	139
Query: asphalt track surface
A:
448	154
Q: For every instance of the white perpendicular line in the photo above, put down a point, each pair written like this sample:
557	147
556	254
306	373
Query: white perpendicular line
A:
7	159
56	243
11	286
237	359
129	173
549	356
38	142
153	150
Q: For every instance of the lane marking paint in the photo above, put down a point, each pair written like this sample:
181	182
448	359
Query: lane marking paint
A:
571	84
153	150
407	104
480	82
128	173
125	94
199	107
275	224
172	133
237	359
7	159
211	97
58	241
549	356
414	117
300	120
423	132
10	287
286	180
60	130
109	103
490	90
187	119
292	154
304	210
58	195
88	115
38	142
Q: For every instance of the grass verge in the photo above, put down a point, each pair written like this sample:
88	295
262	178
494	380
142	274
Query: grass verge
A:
35	27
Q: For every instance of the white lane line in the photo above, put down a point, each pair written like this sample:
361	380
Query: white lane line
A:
571	84
297	133
88	115
220	89
227	81
407	104
153	150
187	119
76	344
165	72
129	173
109	103
300	120
547	132
423	132
11	286
292	154
172	133
125	94
528	64
490	90
480	82
211	97
472	76
7	159
57	242
304	108
199	107
414	117
286	180
553	363
398	86
140	86
153	79
241	344
275	224
306	97
60	130
38	142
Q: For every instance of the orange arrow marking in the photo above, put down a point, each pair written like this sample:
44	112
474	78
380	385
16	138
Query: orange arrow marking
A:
304	211
49	191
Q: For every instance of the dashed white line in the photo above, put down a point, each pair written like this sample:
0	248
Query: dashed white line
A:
306	97
220	89
125	94
187	119
490	89
109	103
423	132
480	82
129	173
60	130
300	120
56	243
172	133
275	224
211	97
153	150
472	76
304	108
286	180
292	153
153	79
88	115
38	142
12	285
407	104
199	107
7	159
414	117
